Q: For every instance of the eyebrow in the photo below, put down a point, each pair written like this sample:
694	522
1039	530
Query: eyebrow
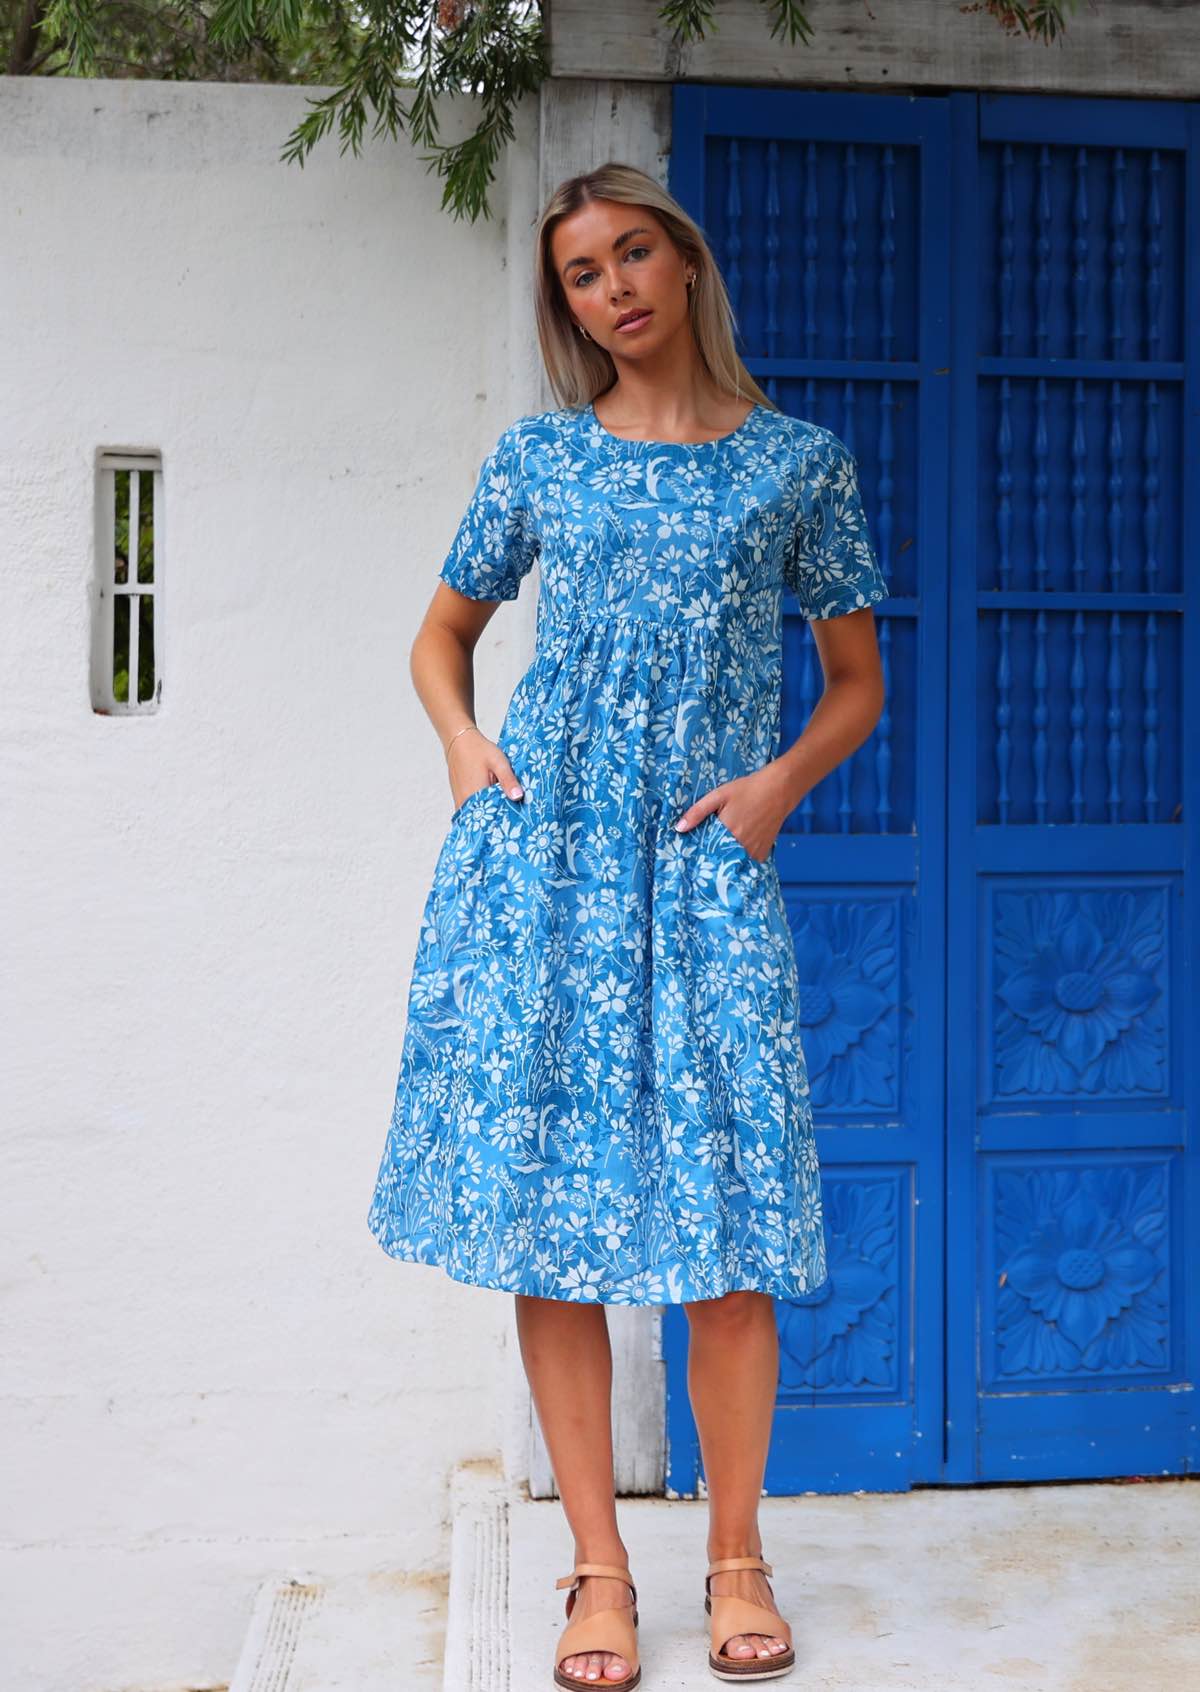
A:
620	241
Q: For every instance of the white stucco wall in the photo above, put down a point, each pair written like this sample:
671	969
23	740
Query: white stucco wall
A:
214	1373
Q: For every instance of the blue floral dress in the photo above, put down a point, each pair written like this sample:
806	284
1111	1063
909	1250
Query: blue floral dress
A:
602	1093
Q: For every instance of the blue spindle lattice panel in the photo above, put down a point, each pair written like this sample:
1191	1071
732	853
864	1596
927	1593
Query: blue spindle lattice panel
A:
985	298
1072	773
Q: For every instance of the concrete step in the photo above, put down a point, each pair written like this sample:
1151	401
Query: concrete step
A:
372	1632
1081	1587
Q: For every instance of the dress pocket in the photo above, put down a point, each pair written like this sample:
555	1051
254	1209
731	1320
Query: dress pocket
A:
472	798
727	835
725	879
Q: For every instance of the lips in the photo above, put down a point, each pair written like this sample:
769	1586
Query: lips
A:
628	318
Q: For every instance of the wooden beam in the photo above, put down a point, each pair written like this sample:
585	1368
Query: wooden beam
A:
1147	48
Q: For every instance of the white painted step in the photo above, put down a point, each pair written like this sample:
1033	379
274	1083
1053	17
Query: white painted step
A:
1086	1587
373	1632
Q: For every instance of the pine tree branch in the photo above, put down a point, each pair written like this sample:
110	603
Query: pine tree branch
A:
419	51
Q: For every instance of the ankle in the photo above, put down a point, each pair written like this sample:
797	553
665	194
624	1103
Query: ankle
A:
717	1553
615	1556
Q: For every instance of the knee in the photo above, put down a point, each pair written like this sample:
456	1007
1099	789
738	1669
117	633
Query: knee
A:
733	1309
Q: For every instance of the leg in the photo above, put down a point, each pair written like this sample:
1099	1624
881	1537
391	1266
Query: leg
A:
733	1373
568	1360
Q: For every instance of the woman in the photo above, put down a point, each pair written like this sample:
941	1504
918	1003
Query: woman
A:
602	1095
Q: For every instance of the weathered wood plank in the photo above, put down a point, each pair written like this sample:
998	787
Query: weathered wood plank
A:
584	123
1149	48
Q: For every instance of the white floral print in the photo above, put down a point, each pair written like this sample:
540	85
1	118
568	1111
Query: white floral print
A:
602	1092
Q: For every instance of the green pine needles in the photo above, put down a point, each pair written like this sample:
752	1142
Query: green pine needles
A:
387	69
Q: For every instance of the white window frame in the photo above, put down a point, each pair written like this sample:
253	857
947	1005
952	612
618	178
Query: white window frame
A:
108	589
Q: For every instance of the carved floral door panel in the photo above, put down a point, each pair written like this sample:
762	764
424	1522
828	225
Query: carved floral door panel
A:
1070	1171
985	299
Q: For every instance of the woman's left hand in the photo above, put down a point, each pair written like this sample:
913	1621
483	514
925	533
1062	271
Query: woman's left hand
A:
752	807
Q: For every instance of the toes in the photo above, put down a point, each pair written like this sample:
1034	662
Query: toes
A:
754	1645
592	1666
614	1668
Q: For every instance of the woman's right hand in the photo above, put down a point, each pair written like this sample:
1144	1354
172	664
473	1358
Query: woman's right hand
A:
474	762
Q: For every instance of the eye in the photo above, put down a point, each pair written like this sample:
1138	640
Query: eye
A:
580	274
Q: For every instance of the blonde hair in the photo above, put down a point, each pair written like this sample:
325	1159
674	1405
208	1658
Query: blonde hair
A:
578	369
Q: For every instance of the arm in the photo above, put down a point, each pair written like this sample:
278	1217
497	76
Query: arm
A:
850	705
754	806
831	566
441	664
493	549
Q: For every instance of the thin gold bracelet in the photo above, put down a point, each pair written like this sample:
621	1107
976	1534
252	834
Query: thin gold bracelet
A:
456	734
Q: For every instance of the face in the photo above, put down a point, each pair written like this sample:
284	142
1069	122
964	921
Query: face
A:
611	259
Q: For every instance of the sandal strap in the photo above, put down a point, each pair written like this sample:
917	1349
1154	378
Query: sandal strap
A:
604	1630
611	1569
732	1615
612	1629
737	1563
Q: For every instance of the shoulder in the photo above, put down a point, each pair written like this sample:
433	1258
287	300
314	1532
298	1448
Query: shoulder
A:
540	425
823	464
814	450
538	444
526	437
819	451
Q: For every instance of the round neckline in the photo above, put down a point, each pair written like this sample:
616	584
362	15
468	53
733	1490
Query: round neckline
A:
684	446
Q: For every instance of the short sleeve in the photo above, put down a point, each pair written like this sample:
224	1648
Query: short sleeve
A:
496	542
830	564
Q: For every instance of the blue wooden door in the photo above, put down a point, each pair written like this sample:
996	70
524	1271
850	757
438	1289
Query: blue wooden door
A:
985	298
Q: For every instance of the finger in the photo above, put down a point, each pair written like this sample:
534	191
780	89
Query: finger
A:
697	811
506	776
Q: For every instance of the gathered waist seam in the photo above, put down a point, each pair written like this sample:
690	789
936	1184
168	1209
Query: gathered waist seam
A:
563	627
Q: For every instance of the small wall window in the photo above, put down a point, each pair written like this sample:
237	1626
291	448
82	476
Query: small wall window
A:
127	643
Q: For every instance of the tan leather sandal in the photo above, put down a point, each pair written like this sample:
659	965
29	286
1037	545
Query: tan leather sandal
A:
606	1630
731	1615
